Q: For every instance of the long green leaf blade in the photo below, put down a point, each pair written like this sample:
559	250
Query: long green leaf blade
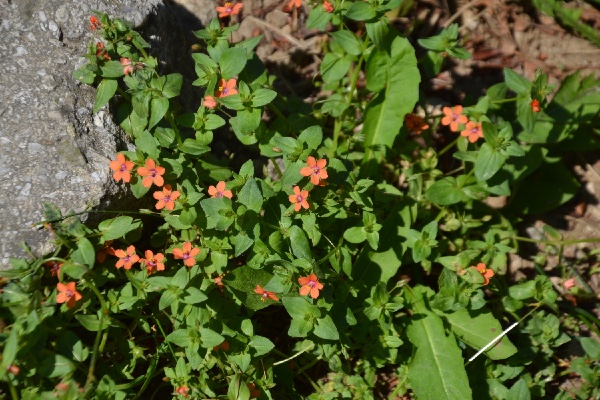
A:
385	114
436	371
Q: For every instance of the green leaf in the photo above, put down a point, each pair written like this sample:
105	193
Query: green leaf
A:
87	252
326	329
262	97
299	243
158	108
106	90
180	337
11	346
355	234
147	144
250	195
348	41
167	298
210	338
74	270
172	86
242	282
519	391
232	62
117	228
523	291
238	389
85	75
360	11
437	369
261	345
191	146
517	83
111	69
300	308
445	192
478	330
591	347
91	322
334	67
312	136
378	31
384	115
55	366
318	19
488	162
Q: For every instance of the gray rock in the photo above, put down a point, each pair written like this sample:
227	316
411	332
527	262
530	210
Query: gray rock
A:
52	148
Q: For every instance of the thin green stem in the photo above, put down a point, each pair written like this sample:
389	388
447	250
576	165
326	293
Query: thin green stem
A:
511	99
49	221
171	120
164	336
556	243
276	110
101	332
448	147
125	95
13	391
276	166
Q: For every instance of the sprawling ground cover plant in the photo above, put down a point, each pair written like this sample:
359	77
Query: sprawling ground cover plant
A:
366	253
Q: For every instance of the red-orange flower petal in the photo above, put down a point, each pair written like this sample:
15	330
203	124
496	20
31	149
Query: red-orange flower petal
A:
485	272
187	253
453	117
265	294
299	199
122	168
220	191
151	173
229	9
67	294
166	198
472	131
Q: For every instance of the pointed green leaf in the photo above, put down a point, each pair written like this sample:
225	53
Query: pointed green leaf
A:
106	90
437	370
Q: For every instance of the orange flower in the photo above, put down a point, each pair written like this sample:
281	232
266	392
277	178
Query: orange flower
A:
292	4
13	369
166	198
126	258
453	117
101	51
127	65
316	170
54	267
229	9
254	392
223	346
219	281
535	106
121	167
226	88
152	173
219	191
569	283
264	294
106	249
153	262
187	254
485	272
94	23
327	6
310	284
415	124
210	102
298	199
67	293
472	131
182	390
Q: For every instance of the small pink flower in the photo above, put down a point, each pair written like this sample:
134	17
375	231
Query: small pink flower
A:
226	88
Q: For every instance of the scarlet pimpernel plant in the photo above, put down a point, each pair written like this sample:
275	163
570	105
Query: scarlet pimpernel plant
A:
365	248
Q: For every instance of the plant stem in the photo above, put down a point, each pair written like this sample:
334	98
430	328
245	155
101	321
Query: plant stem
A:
504	100
556	243
448	147
276	166
49	221
99	334
13	390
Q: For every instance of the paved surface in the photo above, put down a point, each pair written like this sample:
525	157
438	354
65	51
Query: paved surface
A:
52	148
